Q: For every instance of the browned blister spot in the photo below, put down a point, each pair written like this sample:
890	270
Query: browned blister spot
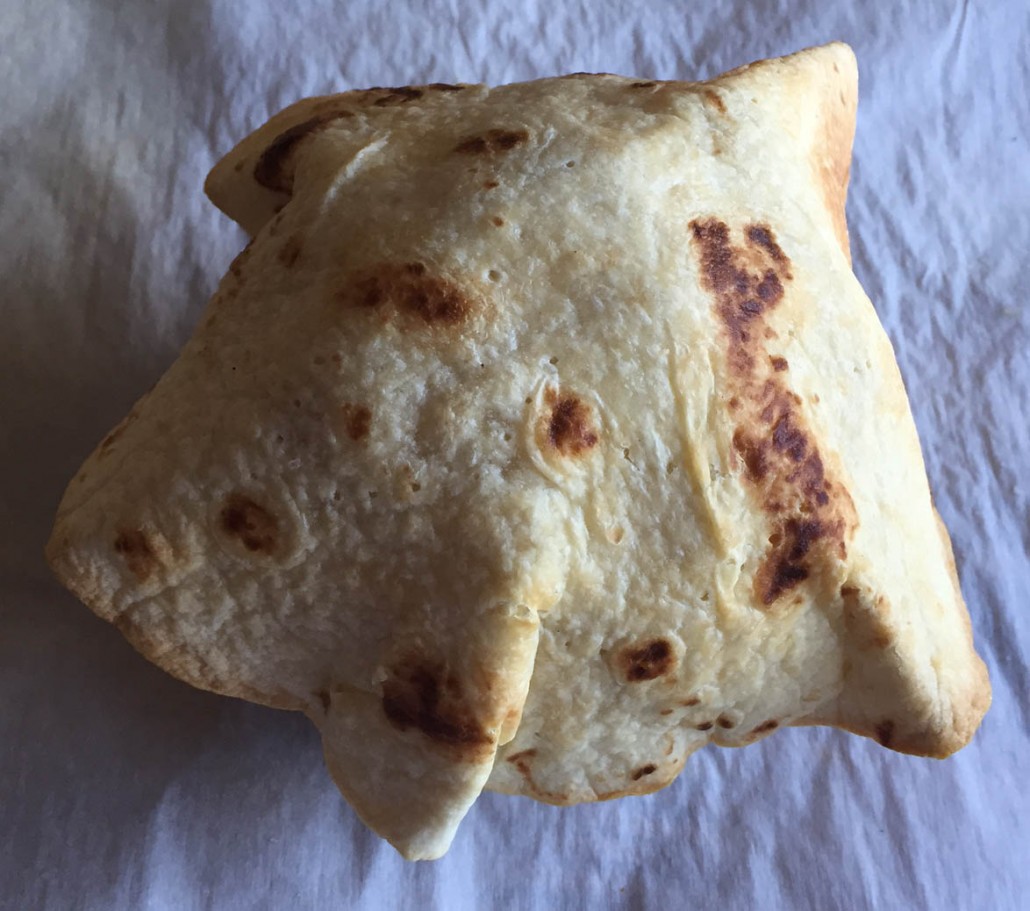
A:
324	698
492	142
752	453
765	727
810	517
884	732
357	420
445	87
402	94
413	292
272	169
418	695
569	427
643	85
497	221
705	726
714	100
646	660
648	769
691	702
134	547
762	236
788	561
290	251
252	525
522	762
520	757
490	185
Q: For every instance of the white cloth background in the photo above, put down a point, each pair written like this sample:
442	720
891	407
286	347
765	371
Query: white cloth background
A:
121	788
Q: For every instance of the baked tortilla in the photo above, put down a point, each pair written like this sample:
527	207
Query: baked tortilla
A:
540	436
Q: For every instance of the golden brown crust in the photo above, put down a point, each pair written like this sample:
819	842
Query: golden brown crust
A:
831	152
967	718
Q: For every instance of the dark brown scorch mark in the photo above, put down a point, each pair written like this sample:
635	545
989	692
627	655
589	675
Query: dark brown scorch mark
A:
648	769
357	420
491	142
519	760
643	85
787	561
765	727
522	762
569	427
134	547
445	87
762	236
884	733
810	516
426	697
646	660
713	99
272	168
252	525
388	97
412	291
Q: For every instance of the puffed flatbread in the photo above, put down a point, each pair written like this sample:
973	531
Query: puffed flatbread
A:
540	436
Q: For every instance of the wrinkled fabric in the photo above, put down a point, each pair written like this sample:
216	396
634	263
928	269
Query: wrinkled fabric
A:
122	788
